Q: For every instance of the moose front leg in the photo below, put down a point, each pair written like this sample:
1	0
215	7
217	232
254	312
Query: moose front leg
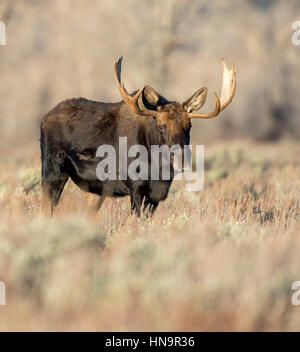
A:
136	200
95	202
149	207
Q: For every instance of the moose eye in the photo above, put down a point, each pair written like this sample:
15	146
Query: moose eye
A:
162	128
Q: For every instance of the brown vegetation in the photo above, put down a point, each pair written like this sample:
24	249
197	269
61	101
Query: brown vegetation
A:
221	259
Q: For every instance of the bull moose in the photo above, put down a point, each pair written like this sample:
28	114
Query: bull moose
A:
73	130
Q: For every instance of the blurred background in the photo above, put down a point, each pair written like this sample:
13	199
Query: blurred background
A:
61	49
220	259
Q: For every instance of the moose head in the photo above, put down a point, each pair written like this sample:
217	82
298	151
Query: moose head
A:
174	119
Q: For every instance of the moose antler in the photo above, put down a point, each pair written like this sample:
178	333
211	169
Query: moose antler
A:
228	86
228	90
131	101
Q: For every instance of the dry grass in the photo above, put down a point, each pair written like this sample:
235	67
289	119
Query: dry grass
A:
220	259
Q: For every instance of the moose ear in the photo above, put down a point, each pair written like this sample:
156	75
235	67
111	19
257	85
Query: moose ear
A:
150	98
196	101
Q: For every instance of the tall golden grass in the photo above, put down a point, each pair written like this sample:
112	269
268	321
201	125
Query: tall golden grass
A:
220	259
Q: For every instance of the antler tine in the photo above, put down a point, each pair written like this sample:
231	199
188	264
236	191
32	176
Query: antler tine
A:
208	115
227	93
228	86
131	101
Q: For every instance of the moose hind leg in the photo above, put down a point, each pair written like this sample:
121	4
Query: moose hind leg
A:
53	179
52	190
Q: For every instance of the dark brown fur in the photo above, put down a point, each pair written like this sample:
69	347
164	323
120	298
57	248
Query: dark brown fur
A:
74	129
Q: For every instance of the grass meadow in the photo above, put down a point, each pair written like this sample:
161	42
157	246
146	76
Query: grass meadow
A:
222	259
